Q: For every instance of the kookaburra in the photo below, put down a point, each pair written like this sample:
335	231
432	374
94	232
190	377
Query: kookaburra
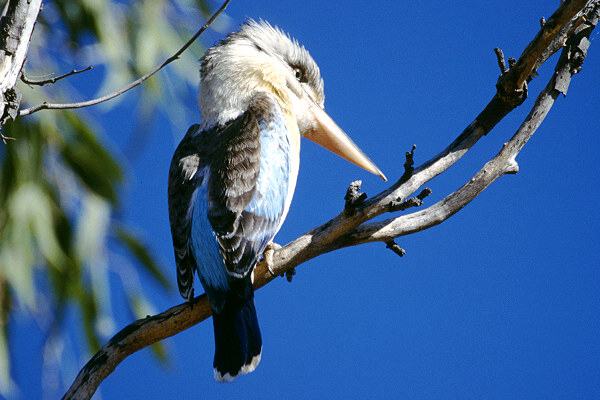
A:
232	177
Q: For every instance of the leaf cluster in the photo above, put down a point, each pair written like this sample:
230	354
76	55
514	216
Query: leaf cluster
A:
62	239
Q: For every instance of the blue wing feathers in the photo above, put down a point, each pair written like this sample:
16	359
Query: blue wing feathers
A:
250	165
210	265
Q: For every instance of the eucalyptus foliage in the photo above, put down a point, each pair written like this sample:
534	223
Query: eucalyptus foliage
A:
61	181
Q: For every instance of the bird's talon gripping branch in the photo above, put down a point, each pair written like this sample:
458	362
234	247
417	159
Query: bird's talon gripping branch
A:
354	198
393	246
268	256
190	298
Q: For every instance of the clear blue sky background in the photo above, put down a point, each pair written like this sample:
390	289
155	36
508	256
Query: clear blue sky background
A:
502	301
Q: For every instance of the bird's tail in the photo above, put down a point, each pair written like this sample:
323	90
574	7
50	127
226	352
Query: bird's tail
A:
238	343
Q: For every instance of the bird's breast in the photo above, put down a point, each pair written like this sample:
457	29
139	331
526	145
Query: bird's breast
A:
279	163
293	134
293	138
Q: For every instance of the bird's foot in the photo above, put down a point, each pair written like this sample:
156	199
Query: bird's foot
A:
190	298
268	256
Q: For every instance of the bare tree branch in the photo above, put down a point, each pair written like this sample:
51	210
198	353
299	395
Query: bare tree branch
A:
312	243
351	226
54	79
543	46
501	61
16	23
503	163
131	85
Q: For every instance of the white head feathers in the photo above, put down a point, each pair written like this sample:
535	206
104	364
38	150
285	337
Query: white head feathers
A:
258	57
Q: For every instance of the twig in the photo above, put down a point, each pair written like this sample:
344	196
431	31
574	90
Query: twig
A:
54	79
354	198
417	201
559	25
424	193
500	59
393	246
112	95
409	164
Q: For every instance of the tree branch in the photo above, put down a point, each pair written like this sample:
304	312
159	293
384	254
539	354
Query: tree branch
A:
351	226
131	85
16	25
503	163
54	79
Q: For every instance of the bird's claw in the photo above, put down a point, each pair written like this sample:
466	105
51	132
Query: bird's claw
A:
268	256
190	298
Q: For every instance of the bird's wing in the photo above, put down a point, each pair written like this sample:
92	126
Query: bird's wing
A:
185	175
248	184
228	187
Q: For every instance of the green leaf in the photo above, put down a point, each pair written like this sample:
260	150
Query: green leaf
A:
90	161
16	266
92	225
6	383
29	223
31	206
79	19
81	161
63	228
89	313
141	253
61	156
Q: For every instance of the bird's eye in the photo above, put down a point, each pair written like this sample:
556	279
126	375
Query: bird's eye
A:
299	74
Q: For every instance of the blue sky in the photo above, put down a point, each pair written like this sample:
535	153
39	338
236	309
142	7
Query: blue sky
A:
501	301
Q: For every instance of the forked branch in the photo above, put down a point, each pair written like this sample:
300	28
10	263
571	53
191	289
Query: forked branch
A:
131	85
571	24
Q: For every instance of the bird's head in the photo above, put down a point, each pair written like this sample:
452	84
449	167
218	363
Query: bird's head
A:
262	58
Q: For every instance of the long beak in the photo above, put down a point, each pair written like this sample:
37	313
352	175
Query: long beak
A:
333	138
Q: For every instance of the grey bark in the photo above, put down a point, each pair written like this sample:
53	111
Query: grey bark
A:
570	25
16	27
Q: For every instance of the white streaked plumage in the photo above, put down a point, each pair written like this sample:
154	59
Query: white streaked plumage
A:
256	58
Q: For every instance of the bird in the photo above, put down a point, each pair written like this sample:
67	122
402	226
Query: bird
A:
233	175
